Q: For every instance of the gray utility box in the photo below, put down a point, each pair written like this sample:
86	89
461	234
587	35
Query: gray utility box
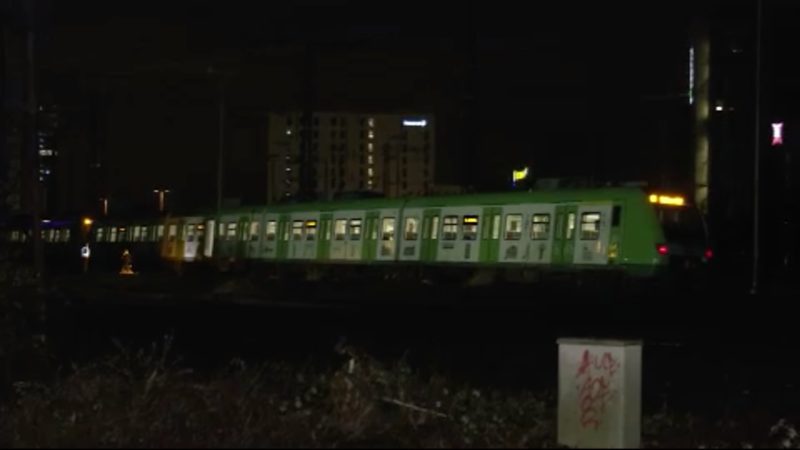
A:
599	393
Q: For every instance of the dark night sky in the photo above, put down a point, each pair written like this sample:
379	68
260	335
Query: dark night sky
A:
557	87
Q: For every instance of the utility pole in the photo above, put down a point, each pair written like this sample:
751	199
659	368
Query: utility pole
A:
307	150
757	157
32	150
221	149
471	130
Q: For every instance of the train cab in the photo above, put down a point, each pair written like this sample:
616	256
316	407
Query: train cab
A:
686	243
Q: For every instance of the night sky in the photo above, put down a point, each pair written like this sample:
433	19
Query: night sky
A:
571	90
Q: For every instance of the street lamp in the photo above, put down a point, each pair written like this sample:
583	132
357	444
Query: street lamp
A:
162	193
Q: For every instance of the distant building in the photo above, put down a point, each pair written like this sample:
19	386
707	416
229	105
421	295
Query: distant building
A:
47	148
388	154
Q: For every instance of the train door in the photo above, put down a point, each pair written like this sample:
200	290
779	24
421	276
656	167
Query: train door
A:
253	237
388	235
513	234
490	237
325	234
284	234
201	239
430	234
271	237
593	231
338	245
189	240
410	236
310	238
564	239
369	248
208	245
243	237
541	234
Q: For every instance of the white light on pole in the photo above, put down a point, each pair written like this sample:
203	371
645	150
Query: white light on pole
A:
162	193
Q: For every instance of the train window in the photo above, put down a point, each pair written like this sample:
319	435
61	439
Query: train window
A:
137	233
272	230
98	235
254	230
387	229
513	227
540	227
297	230
616	216
311	230
221	230
340	229
231	232
112	237
355	229
450	228
470	231
590	226
160	232
570	225
172	233
411	229
15	236
435	227
328	230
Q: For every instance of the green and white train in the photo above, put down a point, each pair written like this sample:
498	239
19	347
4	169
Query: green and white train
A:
518	235
567	231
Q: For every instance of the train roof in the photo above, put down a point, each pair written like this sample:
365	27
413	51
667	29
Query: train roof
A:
499	198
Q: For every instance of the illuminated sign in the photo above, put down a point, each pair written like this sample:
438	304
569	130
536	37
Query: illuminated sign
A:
777	133
470	219
415	123
311	224
667	200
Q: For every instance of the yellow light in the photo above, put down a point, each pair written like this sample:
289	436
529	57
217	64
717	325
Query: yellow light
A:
470	220
672	201
87	222
667	200
519	175
311	223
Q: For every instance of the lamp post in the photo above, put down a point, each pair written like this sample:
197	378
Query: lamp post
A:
162	198
757	157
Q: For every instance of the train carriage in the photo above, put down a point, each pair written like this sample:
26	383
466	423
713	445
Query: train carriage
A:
617	230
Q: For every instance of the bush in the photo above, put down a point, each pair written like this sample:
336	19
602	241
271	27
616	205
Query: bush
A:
141	399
